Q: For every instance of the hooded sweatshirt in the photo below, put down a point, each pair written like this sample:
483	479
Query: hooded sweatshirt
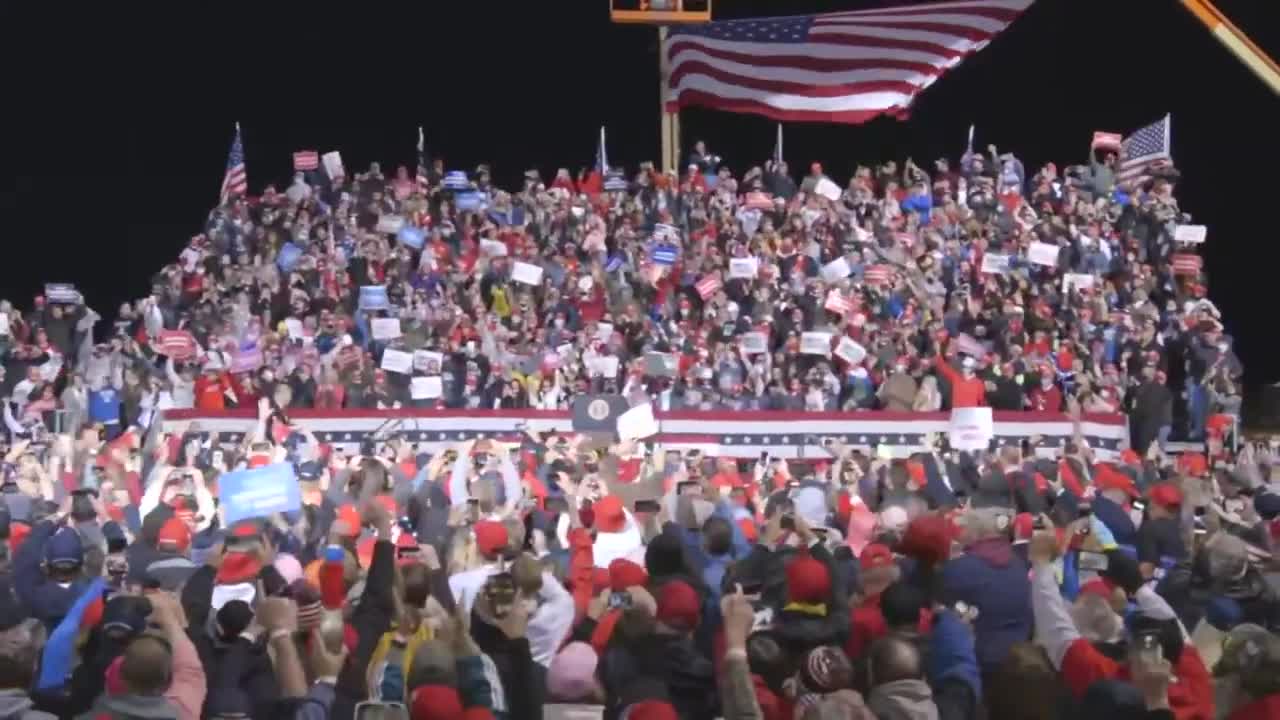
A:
131	707
15	704
903	700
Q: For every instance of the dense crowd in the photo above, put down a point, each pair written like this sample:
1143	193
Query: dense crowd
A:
973	285
569	576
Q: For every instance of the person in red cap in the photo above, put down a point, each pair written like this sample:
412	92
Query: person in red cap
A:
879	570
1160	541
491	540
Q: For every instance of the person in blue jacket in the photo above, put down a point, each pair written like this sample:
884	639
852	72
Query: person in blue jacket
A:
50	588
990	577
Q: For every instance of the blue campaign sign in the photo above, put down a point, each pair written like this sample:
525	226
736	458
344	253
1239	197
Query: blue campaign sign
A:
664	254
471	201
410	236
374	297
288	257
245	494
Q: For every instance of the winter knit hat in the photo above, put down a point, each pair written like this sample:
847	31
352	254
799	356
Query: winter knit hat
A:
679	606
571	675
826	669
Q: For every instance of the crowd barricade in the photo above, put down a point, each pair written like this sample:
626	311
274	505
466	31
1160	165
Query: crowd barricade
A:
735	434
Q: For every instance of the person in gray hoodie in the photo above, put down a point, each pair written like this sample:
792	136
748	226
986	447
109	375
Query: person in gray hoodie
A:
895	678
145	673
21	642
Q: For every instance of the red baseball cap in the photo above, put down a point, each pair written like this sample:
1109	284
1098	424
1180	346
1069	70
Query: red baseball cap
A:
876	555
624	574
609	514
491	537
1166	495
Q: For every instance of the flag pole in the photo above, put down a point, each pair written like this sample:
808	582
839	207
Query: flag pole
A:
1237	42
668	127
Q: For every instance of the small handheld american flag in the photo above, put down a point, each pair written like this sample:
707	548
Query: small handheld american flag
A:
236	180
878	275
708	286
1186	263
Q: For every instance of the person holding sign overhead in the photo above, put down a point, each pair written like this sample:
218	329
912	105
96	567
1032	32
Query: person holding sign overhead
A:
967	389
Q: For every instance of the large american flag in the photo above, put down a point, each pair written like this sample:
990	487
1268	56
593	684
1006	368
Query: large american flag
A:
1145	149
741	434
236	180
846	67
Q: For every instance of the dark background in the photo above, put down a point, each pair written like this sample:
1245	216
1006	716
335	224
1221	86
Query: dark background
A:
119	124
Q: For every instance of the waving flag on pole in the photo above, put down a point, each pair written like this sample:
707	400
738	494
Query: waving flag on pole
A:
845	67
1143	150
777	146
602	157
236	180
423	166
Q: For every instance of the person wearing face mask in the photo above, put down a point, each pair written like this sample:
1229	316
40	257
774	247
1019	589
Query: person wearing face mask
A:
967	389
1045	397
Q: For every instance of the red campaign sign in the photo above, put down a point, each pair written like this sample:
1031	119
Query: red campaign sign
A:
1186	264
177	344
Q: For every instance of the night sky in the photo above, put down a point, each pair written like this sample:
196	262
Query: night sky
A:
119	124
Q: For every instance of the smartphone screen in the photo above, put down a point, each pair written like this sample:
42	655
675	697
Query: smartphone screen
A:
647	506
689	487
1096	562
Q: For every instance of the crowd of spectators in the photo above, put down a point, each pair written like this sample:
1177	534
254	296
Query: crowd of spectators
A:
564	576
972	284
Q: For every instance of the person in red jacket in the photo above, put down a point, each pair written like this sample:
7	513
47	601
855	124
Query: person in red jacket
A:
1047	396
1190	697
212	388
967	389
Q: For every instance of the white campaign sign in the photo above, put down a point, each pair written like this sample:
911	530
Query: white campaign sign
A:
836	270
743	267
493	248
526	273
333	164
1079	281
390	224
1194	234
850	351
422	360
397	361
637	423
995	264
754	343
971	428
604	366
424	388
1043	254
815	343
386	328
827	189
